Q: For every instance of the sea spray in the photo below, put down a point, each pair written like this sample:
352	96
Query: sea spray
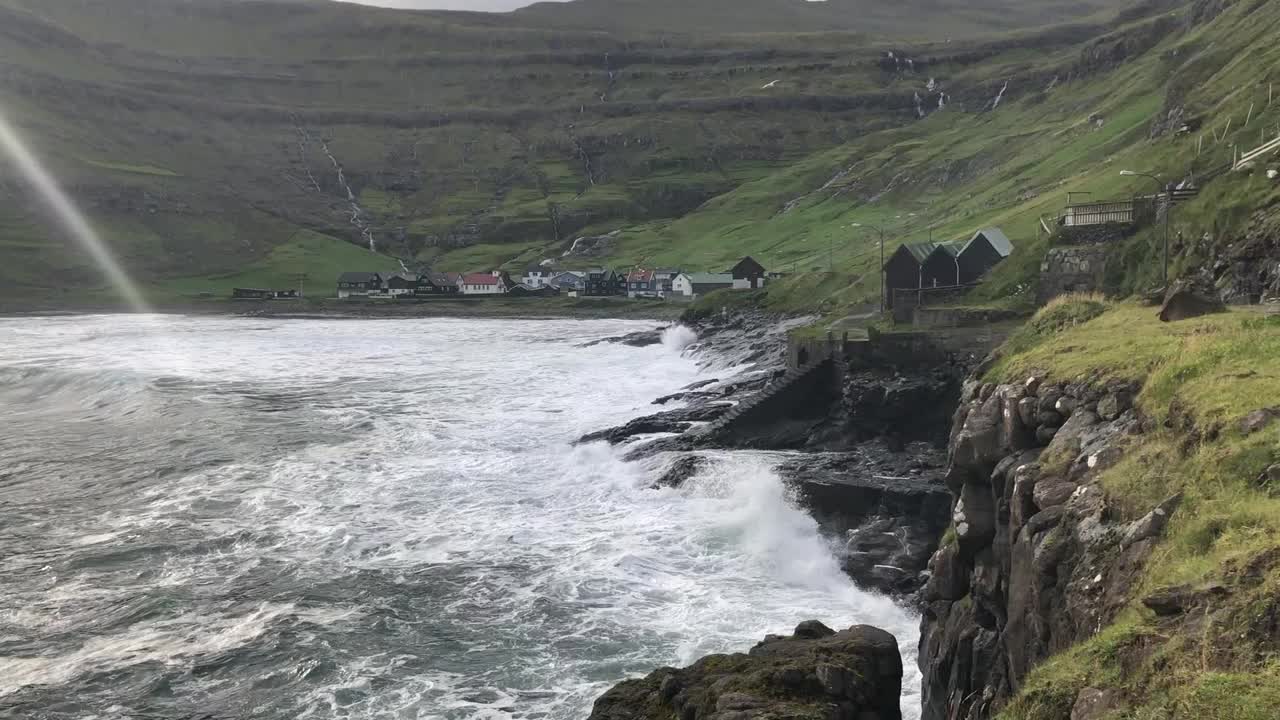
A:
677	338
385	518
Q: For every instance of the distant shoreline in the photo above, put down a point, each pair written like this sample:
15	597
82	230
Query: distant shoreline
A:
332	308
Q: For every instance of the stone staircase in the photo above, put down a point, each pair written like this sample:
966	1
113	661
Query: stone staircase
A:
746	409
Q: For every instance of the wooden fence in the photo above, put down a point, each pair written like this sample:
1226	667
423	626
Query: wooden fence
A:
1104	213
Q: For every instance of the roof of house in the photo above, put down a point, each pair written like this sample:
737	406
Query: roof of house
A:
359	277
747	263
640	276
537	269
709	278
576	273
666	271
402	276
999	241
443	278
951	249
480	279
920	250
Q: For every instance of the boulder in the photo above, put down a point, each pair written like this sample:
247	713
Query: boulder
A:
679	471
1178	599
855	674
1051	492
1095	704
1258	420
1112	405
1183	302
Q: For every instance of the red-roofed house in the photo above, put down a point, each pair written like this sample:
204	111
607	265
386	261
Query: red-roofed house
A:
640	284
483	284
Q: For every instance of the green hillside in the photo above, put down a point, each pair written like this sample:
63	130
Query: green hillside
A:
200	136
204	139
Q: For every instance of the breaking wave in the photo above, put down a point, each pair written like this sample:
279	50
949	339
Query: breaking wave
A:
372	519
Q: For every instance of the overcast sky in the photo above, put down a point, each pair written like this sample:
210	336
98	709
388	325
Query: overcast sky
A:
485	5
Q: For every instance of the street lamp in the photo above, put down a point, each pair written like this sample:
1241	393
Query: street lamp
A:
1167	212
879	230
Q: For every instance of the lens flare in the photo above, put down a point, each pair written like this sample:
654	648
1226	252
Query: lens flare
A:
33	172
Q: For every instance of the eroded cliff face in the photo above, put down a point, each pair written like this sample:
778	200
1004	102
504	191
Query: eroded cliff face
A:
1036	560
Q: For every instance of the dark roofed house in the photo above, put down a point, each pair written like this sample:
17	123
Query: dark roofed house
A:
401	284
602	281
986	249
252	294
359	283
569	281
903	268
437	283
941	268
748	274
663	278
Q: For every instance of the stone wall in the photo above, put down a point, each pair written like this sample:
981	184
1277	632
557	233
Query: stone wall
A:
1080	268
1038	561
1093	234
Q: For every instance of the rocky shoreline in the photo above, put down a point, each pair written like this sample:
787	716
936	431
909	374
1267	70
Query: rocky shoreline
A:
870	462
816	672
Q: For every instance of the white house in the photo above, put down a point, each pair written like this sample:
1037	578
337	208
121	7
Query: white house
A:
537	276
691	284
663	279
482	284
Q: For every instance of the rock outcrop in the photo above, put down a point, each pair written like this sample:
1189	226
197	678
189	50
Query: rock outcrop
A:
1037	559
816	673
1183	302
888	508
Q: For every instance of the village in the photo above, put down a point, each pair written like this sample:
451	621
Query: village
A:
913	271
537	281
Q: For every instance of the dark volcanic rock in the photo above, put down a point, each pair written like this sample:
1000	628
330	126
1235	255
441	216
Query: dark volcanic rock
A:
676	421
890	508
855	674
1041	557
641	338
681	470
1183	303
906	406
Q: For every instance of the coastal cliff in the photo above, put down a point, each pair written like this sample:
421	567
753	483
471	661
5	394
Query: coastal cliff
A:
866	419
1114	542
1115	539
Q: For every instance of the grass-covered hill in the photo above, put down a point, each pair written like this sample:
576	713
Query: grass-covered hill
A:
205	139
919	19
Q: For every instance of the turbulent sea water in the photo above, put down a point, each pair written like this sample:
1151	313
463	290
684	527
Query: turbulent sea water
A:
239	518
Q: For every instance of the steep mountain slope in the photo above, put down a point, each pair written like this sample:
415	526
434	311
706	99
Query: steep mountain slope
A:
203	135
935	19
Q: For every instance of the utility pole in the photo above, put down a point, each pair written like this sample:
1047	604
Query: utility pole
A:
880	231
1168	212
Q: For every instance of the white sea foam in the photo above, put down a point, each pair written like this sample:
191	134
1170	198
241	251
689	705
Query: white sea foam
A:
389	517
678	337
